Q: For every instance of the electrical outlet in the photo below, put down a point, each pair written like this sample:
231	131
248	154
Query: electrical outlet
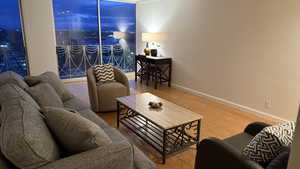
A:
268	103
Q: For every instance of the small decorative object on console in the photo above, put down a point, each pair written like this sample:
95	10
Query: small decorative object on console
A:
155	105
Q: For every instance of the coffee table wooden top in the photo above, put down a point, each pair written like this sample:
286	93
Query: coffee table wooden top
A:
169	116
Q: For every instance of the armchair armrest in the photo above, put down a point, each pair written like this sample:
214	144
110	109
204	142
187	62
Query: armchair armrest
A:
254	128
114	156
122	78
92	87
213	153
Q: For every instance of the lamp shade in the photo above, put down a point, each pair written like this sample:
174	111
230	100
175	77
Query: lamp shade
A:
119	35
152	37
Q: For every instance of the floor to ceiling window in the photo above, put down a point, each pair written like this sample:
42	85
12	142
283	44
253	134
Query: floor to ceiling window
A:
118	30
93	32
12	50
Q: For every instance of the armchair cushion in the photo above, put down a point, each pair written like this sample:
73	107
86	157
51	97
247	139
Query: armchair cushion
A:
281	161
266	145
76	133
104	73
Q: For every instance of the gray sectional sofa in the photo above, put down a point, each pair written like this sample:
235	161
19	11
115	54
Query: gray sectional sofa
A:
23	130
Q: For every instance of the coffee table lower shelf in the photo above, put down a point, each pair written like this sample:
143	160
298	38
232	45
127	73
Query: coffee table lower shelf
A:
165	141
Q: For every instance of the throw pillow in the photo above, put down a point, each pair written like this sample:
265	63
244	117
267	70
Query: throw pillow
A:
45	95
25	139
267	144
53	80
75	133
104	73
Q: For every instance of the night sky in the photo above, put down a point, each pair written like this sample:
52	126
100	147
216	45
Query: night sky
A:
77	15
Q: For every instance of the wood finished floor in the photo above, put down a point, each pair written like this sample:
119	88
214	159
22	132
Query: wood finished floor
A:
219	120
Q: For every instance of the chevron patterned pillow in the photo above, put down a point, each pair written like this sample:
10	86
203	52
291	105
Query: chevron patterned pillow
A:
104	73
267	144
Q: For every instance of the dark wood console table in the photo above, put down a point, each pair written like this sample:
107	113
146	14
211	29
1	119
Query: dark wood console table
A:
157	68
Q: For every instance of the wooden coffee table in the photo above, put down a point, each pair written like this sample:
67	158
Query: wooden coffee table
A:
168	130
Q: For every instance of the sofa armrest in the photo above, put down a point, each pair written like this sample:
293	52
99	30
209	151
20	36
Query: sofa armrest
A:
122	78
114	156
92	87
254	128
213	153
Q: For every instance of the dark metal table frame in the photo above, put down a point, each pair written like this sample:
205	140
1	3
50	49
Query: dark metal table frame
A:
165	141
161	67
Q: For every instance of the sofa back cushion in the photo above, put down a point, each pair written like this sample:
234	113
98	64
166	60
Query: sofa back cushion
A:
45	95
53	80
14	78
10	92
75	133
25	139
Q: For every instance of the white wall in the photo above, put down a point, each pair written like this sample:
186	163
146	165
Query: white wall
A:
243	51
39	35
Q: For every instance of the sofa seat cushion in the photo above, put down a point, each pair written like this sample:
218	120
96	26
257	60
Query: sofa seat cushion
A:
9	92
107	94
76	104
75	133
53	80
45	95
23	127
239	141
14	78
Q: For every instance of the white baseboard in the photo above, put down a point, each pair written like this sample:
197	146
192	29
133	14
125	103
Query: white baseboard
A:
232	104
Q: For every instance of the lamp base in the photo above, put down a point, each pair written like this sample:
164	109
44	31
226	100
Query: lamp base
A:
147	51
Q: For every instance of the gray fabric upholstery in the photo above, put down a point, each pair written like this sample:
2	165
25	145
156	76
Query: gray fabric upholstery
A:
9	92
25	138
5	164
281	161
108	93
76	104
45	95
141	161
14	78
239	141
113	156
53	80
76	133
102	97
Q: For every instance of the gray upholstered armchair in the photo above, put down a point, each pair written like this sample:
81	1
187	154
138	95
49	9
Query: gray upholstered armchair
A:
213	153
102	97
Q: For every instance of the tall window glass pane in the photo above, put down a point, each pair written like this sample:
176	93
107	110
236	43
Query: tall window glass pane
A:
77	36
12	50
118	30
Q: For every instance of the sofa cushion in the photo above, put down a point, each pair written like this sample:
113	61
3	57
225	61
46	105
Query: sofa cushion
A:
9	92
108	92
75	133
76	104
14	78
25	139
267	144
104	73
5	164
141	161
53	80
45	95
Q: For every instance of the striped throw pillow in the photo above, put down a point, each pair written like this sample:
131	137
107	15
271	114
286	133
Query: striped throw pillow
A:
104	73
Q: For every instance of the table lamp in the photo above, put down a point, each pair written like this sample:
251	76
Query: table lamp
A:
150	37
